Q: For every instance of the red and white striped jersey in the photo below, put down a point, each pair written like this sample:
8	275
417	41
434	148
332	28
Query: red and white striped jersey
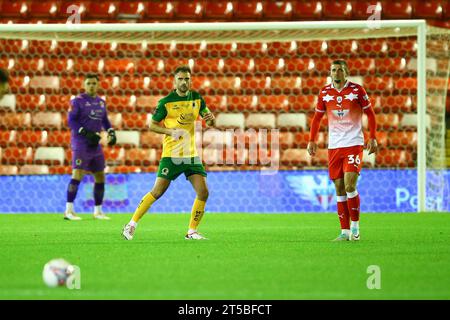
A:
344	110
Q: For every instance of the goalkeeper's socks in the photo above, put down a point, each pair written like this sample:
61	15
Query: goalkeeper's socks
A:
143	207
198	209
353	205
342	211
72	190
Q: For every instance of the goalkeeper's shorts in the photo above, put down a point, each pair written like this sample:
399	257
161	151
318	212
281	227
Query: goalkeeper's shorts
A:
170	168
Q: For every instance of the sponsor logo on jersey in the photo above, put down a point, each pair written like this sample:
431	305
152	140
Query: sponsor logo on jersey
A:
165	171
340	113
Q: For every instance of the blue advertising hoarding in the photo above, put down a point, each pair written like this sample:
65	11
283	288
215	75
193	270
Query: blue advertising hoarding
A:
238	191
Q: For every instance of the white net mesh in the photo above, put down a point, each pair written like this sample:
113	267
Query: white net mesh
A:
262	82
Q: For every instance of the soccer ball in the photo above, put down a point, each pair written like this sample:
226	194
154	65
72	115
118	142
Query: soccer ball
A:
56	272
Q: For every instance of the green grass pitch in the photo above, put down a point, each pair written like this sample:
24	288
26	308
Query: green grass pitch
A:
247	256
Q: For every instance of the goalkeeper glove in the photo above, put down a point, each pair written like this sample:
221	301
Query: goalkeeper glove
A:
112	139
93	138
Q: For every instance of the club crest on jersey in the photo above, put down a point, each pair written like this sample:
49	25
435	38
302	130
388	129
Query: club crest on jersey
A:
339	99
165	171
340	113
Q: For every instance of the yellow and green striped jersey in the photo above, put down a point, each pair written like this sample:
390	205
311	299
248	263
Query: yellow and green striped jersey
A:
180	112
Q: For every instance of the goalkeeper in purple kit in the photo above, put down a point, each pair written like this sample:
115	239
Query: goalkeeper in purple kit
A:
87	117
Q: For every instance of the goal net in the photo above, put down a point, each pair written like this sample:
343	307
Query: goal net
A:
261	80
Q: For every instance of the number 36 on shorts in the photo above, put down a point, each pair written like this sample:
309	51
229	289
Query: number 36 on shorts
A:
352	159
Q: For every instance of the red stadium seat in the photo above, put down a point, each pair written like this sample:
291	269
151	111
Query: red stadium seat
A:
115	119
430	9
17	9
147	103
119	104
30	138
102	9
47	120
342	47
137	121
191	10
218	103
309	48
302	103
17	155
307	10
278	10
27	102
160	10
34	169
273	103
391	65
58	139
361	66
236	66
119	66
288	140
210	65
60	169
373	47
269	65
49	155
295	157
279	49
8	170
218	10
394	158
313	85
44	9
320	159
296	65
15	120
334	10
72	85
403	140
220	50
387	121
151	140
378	84
149	66
114	156
132	9
397	10
129	169
76	7
242	103
362	10
396	104
406	85
7	137
141	157
57	102
292	121
285	85
260	120
83	65
301	139
249	10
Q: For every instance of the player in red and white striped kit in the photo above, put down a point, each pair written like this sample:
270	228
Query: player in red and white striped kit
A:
344	102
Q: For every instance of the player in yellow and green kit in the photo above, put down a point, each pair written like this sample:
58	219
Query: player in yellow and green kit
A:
179	110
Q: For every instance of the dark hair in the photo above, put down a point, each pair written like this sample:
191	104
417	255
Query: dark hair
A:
342	63
91	76
182	69
4	76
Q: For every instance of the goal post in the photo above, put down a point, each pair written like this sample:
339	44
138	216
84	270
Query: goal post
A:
251	32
